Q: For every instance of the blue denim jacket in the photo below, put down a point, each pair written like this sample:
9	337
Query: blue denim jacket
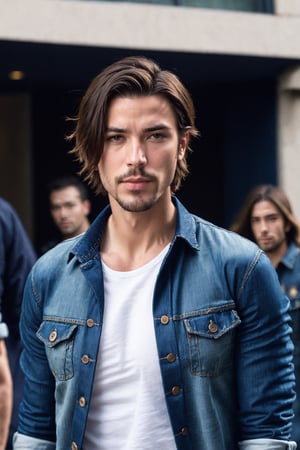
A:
217	307
289	276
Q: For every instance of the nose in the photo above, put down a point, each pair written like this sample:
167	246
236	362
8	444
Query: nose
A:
263	226
63	212
136	155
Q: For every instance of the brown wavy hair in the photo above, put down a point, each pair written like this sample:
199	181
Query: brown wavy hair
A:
128	77
275	195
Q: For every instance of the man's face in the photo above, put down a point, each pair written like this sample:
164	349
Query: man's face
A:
69	212
268	226
141	151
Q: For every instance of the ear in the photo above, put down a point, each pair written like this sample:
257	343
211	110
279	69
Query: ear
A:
183	143
287	227
87	207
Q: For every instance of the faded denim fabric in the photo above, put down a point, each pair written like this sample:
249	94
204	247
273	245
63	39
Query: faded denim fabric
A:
223	337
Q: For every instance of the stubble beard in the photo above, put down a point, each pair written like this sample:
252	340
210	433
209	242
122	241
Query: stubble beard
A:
272	247
136	205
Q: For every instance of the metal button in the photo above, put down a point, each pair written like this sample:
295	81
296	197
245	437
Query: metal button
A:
184	431
90	323
74	446
164	319
53	336
175	390
171	357
293	292
213	327
85	359
82	402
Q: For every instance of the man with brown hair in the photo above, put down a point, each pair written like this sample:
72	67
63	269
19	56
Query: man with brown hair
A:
155	329
267	218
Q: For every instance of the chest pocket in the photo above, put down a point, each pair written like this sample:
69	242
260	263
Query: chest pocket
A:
211	340
58	339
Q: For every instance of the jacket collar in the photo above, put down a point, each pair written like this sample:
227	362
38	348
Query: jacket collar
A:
87	247
290	257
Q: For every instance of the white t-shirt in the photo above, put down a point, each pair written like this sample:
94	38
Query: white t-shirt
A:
128	409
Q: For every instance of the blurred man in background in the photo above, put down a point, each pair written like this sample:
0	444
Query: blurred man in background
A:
69	208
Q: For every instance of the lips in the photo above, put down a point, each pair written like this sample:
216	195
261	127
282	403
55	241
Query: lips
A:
265	240
135	183
65	224
136	180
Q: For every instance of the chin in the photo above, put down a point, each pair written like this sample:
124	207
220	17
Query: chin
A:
136	205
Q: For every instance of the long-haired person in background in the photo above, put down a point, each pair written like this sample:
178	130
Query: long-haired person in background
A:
155	329
267	218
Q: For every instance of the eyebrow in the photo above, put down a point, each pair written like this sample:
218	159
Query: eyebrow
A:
159	126
148	129
266	216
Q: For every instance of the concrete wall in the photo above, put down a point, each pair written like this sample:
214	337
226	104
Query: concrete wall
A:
289	135
148	26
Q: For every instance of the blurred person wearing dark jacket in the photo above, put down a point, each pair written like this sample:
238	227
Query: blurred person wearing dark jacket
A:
16	259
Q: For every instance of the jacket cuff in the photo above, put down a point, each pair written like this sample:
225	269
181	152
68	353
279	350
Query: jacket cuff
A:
3	330
267	444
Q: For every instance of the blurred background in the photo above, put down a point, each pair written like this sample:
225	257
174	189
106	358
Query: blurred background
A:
240	59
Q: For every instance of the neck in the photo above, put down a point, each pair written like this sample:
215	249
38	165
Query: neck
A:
84	227
133	239
277	254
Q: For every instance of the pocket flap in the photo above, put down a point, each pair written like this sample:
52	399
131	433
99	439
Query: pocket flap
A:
52	333
212	325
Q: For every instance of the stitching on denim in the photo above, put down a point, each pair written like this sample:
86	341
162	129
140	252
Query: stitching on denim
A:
34	290
227	307
67	320
249	271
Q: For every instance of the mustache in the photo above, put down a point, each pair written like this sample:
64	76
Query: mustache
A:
135	172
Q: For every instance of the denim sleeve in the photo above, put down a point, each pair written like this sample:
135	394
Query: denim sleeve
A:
3	329
17	257
37	410
264	361
267	444
22	442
